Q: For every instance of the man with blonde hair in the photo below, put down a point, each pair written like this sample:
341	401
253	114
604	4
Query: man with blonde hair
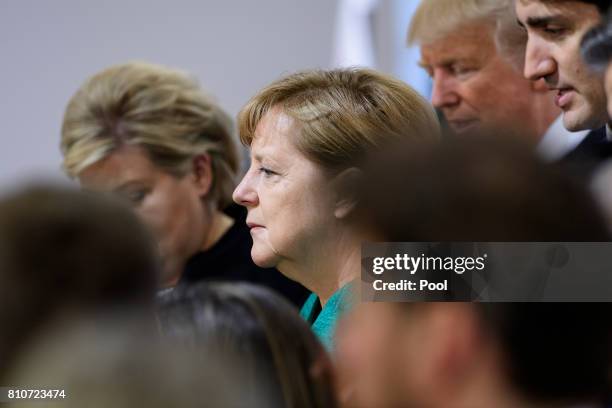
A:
476	88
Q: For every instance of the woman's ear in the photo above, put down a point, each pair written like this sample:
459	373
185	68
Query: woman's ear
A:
346	186
202	173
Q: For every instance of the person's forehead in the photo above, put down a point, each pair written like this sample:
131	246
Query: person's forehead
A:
568	9
470	40
275	132
126	164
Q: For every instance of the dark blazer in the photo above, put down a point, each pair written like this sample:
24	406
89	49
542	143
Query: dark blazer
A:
588	155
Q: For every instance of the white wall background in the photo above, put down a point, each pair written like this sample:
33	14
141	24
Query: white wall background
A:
47	49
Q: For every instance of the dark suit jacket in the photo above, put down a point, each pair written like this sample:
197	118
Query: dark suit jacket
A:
588	155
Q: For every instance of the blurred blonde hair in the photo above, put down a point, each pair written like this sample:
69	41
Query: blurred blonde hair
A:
435	19
162	110
510	38
343	114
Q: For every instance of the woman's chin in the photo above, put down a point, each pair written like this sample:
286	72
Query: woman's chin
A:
264	259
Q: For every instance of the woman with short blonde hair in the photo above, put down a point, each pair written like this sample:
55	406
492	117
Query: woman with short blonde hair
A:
162	110
310	134
150	134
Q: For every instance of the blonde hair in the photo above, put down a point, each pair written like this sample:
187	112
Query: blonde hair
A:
342	114
510	39
162	110
435	19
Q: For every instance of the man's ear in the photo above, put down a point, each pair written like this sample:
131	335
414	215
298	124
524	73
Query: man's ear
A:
346	186
202	173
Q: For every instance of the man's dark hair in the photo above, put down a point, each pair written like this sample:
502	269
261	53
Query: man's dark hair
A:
476	189
602	5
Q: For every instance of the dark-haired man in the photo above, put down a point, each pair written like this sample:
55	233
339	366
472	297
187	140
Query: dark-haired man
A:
555	29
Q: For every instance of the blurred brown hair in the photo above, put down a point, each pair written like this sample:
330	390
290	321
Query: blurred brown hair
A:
66	251
476	189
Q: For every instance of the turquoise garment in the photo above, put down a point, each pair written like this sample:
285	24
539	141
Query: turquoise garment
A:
324	321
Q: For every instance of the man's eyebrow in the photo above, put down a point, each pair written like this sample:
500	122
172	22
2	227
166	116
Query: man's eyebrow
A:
539	22
446	62
126	185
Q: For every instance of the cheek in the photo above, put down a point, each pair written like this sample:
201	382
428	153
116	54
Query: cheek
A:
504	84
170	215
289	224
479	92
155	211
295	216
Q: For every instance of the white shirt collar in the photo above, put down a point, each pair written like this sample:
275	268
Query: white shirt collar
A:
609	131
558	141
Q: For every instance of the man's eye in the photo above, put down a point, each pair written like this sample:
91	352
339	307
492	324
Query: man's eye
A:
556	31
135	197
460	70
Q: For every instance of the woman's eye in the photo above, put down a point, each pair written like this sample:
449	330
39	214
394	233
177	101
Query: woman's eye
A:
266	172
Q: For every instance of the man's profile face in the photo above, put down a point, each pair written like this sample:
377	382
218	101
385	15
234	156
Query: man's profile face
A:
554	31
474	87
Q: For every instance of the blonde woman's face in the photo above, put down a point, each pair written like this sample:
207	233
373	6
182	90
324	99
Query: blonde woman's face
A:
171	206
288	197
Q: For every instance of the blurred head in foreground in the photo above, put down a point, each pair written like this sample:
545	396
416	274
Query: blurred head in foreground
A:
65	253
476	88
483	354
507	355
113	365
280	359
149	134
485	189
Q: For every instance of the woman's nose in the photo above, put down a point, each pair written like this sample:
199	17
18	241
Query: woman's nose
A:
244	194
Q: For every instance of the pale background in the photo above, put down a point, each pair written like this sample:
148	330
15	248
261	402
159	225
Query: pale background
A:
234	47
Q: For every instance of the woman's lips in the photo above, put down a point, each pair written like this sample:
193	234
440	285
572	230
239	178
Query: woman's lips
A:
254	227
